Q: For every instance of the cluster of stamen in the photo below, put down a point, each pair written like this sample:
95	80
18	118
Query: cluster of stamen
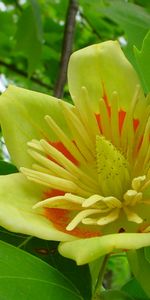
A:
111	173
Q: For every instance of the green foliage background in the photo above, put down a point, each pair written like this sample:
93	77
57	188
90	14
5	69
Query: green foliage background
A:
31	41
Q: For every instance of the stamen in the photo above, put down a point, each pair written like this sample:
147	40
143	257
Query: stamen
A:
132	216
87	114
92	200
89	221
53	181
112	202
127	134
81	215
143	149
35	145
62	202
105	120
109	218
138	182
146	230
128	196
64	139
37	167
78	131
146	184
52	166
114	120
67	164
146	163
55	169
141	129
136	199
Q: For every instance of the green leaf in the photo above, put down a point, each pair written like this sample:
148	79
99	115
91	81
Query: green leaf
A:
115	295
78	275
7	168
140	268
29	35
30	278
142	59
134	289
132	19
147	253
47	251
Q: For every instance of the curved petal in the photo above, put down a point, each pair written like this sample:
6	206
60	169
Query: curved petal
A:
22	119
102	68
17	197
86	250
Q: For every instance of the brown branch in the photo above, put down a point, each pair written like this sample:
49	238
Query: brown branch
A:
66	47
14	69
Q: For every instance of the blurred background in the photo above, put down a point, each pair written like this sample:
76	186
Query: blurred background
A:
35	33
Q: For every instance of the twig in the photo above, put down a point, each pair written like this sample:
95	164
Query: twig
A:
14	69
25	241
90	25
66	47
97	290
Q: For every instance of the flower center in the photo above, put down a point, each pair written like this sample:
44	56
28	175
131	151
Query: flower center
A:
98	179
112	169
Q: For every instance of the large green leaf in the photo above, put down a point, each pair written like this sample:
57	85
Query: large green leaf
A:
79	275
30	278
29	35
47	251
142	59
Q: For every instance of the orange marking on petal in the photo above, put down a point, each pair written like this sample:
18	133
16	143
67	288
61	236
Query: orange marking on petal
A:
106	101
135	124
98	118
61	218
53	193
121	115
140	143
60	147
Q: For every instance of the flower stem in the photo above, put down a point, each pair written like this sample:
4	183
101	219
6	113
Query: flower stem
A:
98	286
25	241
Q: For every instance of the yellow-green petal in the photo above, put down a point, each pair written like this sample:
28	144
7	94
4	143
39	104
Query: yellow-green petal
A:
22	119
102	67
86	250
17	197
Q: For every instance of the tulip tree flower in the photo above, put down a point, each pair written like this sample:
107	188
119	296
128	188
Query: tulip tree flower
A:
84	175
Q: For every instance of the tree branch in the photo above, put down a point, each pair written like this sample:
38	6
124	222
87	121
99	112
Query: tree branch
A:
66	47
14	69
